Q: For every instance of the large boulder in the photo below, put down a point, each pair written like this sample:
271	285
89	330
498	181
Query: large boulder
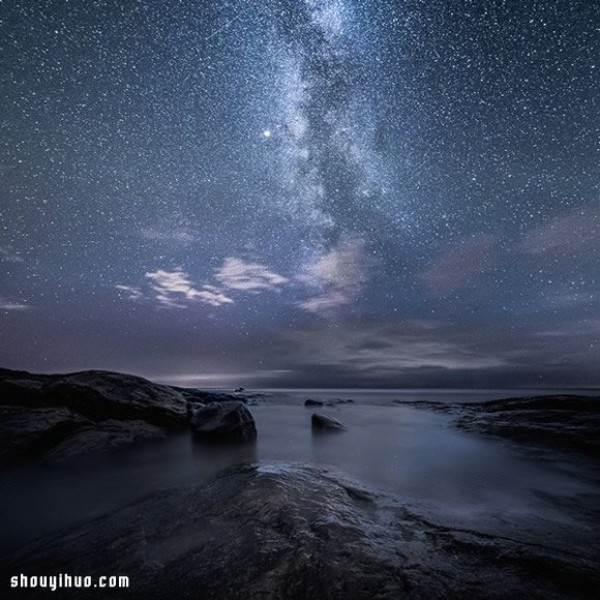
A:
322	422
223	422
288	532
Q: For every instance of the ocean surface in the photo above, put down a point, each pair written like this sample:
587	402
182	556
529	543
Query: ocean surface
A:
458	478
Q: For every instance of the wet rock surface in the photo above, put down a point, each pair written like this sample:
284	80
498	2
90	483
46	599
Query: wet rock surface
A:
291	532
223	422
321	422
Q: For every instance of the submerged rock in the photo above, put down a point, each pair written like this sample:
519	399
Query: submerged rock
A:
223	421
286	532
326	423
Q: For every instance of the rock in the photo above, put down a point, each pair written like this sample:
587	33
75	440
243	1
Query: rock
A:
337	401
63	416
199	397
326	423
294	533
102	438
565	422
223	421
311	402
28	433
101	395
239	390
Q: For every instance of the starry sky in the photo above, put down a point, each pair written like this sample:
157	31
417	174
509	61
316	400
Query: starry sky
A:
302	193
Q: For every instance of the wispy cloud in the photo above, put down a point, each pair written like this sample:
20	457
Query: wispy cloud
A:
236	274
459	265
8	255
174	289
340	274
177	235
581	327
131	292
7	305
574	232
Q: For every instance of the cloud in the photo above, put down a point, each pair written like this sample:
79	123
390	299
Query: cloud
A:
236	274
181	236
174	289
131	292
340	273
6	305
386	351
7	255
582	327
575	232
457	267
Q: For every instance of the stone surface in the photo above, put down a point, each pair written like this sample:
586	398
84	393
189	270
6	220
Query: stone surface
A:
286	532
223	422
322	422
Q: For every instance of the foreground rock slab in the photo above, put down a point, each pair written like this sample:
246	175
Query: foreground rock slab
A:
223	422
289	532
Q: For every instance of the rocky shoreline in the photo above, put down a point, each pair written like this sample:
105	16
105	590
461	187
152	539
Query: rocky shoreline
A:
61	417
560	422
278	530
288	531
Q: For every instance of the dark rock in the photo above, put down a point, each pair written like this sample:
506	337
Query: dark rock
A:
22	392
296	533
326	423
337	401
223	421
62	416
58	434
199	397
239	390
101	395
28	433
562	422
311	402
106	436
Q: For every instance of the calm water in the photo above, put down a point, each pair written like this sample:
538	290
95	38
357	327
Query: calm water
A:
451	476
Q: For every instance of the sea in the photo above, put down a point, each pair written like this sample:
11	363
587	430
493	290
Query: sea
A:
391	446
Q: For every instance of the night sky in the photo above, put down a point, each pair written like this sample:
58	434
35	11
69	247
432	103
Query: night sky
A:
289	193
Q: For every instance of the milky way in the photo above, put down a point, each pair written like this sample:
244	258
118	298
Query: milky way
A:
302	192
